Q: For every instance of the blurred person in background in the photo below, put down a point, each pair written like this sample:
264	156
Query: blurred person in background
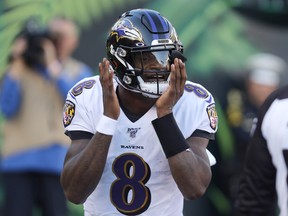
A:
239	97
262	75
264	178
34	146
66	35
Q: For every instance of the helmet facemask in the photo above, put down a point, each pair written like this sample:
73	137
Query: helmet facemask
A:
147	69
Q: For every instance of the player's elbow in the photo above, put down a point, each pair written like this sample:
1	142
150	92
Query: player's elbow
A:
74	198
196	189
195	193
73	194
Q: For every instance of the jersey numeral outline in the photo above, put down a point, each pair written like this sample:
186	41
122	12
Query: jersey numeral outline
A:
199	91
128	193
78	89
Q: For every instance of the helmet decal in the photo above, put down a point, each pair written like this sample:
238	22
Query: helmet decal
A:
156	24
124	29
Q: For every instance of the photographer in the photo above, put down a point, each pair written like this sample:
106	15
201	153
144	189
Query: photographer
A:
34	144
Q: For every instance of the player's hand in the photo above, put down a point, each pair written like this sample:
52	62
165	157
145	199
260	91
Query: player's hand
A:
168	99
110	100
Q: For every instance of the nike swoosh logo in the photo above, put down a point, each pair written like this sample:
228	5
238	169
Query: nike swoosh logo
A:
208	100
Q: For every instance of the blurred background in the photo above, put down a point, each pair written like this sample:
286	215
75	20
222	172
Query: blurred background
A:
219	37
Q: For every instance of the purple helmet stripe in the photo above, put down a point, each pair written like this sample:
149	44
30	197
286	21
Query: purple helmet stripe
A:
152	23
164	25
157	25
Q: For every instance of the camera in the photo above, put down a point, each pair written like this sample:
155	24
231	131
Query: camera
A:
34	36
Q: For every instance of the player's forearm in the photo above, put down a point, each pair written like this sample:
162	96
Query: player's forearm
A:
81	173
191	173
189	167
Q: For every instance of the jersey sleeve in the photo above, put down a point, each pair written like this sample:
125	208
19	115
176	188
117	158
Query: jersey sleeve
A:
196	112
208	123
77	111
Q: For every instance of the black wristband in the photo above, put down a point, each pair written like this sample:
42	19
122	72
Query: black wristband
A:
170	136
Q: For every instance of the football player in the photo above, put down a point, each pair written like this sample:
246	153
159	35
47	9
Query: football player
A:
139	131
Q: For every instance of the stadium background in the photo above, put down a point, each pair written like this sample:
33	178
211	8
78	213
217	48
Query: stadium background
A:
218	35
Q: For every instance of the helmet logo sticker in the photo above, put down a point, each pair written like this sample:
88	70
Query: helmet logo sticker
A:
125	29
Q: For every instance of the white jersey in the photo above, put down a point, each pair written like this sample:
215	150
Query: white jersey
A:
136	179
275	131
266	162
